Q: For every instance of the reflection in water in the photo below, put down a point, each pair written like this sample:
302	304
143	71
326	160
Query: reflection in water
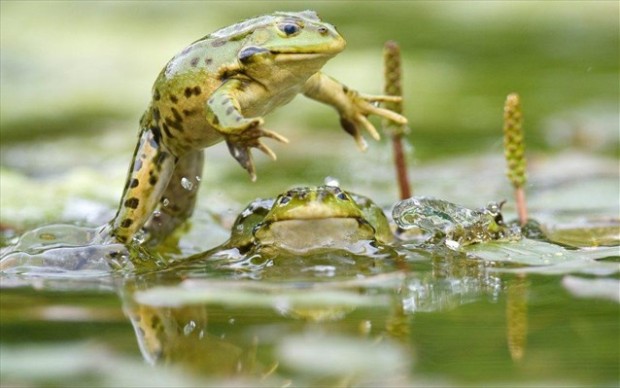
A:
308	327
516	317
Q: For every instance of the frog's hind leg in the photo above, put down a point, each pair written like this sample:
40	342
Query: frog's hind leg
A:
177	202
149	174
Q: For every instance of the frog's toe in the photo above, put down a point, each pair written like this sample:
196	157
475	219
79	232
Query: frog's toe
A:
380	98
266	150
243	156
369	127
351	128
272	135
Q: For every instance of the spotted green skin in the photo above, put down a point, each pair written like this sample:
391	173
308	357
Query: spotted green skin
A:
217	89
309	203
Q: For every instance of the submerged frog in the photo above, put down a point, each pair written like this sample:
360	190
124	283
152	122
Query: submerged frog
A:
455	224
218	89
310	217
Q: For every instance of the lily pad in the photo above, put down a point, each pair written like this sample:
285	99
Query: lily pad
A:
536	253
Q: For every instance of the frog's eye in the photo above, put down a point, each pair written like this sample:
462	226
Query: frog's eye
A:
342	195
289	29
284	200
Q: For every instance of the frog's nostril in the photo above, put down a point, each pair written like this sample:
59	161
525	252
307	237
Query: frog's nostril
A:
323	30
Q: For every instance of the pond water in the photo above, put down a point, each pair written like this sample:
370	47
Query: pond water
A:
417	315
427	315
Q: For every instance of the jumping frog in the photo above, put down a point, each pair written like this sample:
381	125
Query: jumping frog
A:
310	217
457	225
217	89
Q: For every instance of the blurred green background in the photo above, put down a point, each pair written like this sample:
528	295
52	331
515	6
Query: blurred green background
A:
76	77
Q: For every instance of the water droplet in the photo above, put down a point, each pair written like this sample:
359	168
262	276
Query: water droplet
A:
139	237
156	214
231	321
331	181
189	327
198	178
165	202
187	184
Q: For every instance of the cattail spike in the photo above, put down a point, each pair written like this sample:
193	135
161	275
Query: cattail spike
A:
393	87
514	152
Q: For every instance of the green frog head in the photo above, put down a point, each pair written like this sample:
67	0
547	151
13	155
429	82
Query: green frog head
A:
298	43
311	217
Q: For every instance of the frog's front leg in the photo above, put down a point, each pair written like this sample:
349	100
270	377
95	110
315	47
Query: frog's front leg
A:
177	201
223	110
148	177
352	106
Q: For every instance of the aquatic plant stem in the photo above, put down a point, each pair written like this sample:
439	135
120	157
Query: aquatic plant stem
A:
393	87
517	317
514	152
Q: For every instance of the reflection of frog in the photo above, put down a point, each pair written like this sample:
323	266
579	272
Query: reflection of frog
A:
218	89
458	225
310	217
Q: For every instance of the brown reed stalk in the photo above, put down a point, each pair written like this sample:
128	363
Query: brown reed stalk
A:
393	87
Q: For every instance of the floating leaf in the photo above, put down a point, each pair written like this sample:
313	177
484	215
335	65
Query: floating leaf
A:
533	252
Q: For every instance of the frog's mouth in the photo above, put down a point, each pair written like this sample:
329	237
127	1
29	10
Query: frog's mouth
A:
283	56
302	235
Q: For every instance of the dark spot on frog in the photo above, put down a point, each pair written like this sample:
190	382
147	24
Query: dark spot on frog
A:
208	61
156	115
167	131
126	223
174	98
238	118
191	91
194	61
177	115
189	112
153	180
216	121
186	50
134	183
156	134
122	239
161	157
227	73
229	110
345	89
174	124
218	43
156	95
210	100
132	203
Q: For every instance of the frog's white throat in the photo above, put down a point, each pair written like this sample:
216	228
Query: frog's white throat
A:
302	235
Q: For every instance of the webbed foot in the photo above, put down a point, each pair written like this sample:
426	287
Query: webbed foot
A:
354	117
240	142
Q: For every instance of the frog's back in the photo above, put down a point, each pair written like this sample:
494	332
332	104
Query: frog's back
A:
216	53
